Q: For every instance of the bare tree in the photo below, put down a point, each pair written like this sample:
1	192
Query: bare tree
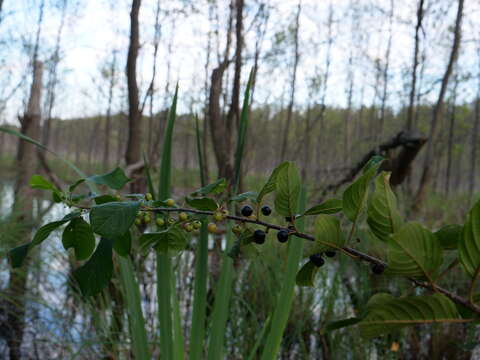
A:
133	153
451	131
474	137
108	118
286	130
413	88
438	110
23	208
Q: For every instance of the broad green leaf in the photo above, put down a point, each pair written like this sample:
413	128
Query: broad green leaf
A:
216	187
287	190
23	137
374	162
249	195
123	244
78	235
115	179
383	216
449	236
39	182
45	231
202	203
327	231
306	275
169	239
356	195
17	255
113	219
387	316
103	199
271	183
414	251
95	274
330	206
469	246
339	324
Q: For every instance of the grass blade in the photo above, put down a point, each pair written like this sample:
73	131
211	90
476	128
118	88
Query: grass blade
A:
224	292
171	339
134	308
285	298
197	333
148	176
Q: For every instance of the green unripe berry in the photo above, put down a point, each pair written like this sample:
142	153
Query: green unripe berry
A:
118	197
197	224
188	227
171	221
218	216
183	216
138	221
212	228
160	222
170	202
148	196
147	219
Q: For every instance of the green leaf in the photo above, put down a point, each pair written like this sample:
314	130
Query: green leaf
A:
216	187
169	239
449	236
72	187
330	206
339	324
249	195
271	182
103	199
328	235
115	179
45	231
414	251
206	204
17	255
113	219
383	216
390	315
39	182
306	275
78	235
287	190
95	274
23	137
356	195
123	244
469	246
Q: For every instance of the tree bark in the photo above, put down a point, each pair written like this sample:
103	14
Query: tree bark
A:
133	154
23	206
438	110
108	118
474	140
451	131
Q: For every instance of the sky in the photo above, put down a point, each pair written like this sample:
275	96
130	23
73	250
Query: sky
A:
96	29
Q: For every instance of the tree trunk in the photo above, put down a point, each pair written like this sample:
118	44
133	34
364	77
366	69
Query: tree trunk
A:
474	141
133	154
413	87
23	206
286	130
438	110
450	136
108	118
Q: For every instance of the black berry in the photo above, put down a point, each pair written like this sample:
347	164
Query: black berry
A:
378	269
259	236
330	253
247	210
282	236
266	210
317	260
288	219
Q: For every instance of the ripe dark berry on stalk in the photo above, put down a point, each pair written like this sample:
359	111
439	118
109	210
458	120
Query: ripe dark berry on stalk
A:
259	236
378	269
317	260
282	236
247	210
330	253
266	210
